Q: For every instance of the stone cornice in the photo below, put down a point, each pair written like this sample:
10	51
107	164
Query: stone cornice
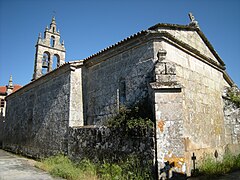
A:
58	49
165	85
228	78
172	27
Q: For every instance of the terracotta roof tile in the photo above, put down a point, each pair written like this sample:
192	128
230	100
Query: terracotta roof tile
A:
3	89
16	87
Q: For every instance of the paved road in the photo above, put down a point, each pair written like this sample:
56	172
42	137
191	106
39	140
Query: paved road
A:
13	167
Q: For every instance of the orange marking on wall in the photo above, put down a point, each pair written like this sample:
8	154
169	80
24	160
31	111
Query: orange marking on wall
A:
178	161
161	125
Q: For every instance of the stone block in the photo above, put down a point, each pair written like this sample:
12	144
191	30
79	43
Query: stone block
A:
170	68
166	78
160	68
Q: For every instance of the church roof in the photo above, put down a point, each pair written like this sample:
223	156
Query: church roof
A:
154	29
161	30
16	87
143	32
3	89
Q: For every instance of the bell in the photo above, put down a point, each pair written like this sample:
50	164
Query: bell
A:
44	64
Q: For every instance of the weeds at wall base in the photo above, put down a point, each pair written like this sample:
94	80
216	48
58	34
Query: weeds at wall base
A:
210	167
62	166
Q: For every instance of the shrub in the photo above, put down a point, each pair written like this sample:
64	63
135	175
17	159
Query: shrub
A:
235	99
133	169
108	171
130	121
234	96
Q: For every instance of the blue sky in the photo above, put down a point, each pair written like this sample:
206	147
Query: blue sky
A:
87	26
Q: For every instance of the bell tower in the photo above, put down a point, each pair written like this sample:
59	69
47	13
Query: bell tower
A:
50	52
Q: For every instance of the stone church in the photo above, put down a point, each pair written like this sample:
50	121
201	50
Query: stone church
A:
173	69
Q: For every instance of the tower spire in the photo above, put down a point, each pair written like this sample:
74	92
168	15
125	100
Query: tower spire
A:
10	86
50	52
53	20
10	82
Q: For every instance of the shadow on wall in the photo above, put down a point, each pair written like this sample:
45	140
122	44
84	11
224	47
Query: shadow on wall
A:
167	173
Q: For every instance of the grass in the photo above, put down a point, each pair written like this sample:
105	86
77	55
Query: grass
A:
62	166
130	168
211	167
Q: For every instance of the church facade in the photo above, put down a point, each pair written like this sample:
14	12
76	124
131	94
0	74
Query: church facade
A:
172	69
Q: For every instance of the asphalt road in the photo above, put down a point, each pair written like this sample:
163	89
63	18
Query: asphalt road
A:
13	167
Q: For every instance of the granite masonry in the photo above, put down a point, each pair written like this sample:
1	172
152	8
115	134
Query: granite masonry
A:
172	68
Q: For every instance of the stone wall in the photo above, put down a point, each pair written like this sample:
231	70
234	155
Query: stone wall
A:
99	143
118	74
38	118
168	100
76	115
231	120
201	105
202	97
2	120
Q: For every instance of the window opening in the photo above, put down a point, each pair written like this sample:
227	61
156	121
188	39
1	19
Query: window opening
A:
2	103
56	61
45	63
52	41
122	91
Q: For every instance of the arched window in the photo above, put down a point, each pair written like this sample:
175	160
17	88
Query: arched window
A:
45	62
122	90
56	61
53	29
52	42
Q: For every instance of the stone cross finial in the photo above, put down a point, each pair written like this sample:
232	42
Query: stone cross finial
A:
192	18
193	21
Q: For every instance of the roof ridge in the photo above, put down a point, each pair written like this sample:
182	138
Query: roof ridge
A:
173	26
